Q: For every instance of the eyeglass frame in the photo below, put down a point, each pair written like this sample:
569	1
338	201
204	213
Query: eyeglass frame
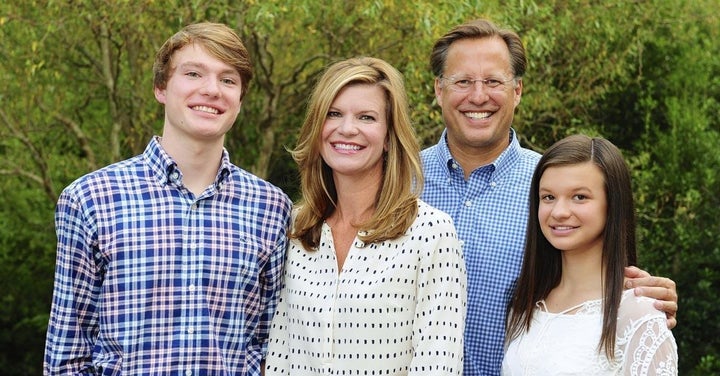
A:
452	83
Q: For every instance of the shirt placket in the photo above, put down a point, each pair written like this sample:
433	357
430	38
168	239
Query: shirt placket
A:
329	336
191	275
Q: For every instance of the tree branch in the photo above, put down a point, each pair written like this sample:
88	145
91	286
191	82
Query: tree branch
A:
43	180
75	129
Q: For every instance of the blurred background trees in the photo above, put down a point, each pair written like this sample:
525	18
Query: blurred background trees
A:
76	94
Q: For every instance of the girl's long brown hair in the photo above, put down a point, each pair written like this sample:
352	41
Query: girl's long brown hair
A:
541	270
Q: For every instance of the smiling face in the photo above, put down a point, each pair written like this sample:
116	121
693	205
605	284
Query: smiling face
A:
573	207
202	96
478	122
355	132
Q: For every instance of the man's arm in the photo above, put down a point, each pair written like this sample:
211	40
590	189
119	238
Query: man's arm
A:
73	326
659	288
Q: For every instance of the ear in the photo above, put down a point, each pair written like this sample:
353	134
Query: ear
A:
518	92
160	95
438	91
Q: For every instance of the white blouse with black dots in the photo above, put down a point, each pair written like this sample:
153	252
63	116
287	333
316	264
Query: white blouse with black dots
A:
397	308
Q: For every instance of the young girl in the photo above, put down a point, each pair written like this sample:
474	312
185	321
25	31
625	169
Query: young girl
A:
569	314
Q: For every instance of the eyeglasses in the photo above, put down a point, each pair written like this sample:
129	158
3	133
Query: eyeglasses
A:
465	84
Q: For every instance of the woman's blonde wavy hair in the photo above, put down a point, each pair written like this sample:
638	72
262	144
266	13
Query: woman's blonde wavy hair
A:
396	201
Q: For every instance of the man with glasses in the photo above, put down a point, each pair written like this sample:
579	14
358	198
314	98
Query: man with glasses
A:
480	175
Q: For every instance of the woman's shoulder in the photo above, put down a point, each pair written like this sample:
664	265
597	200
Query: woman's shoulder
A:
433	225
430	217
635	310
643	336
426	210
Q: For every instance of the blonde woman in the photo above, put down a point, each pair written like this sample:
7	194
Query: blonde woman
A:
375	281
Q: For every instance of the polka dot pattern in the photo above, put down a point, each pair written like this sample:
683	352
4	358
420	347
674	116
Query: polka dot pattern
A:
397	308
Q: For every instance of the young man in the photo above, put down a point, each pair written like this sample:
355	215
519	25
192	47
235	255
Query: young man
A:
170	262
480	175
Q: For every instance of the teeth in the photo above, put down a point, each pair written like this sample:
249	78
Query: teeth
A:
346	147
207	109
563	227
478	115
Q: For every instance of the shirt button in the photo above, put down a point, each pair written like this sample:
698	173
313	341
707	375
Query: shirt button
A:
191	288
492	184
191	331
468	203
174	175
455	166
188	372
193	206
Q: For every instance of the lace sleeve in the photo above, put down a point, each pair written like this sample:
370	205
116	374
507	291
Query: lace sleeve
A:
649	346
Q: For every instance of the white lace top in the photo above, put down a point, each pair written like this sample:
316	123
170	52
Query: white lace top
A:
567	344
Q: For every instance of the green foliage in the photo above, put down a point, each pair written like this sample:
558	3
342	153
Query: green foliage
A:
676	179
26	273
77	95
580	53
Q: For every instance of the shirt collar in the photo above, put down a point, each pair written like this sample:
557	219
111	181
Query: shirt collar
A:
502	163
509	156
165	169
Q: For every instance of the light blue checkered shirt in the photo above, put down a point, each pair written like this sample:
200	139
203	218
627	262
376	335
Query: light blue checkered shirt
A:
153	280
490	212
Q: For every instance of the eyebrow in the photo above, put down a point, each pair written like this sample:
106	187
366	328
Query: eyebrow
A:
572	190
499	75
361	112
193	64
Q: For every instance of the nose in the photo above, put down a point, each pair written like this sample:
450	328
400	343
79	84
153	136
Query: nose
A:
560	209
478	92
211	87
347	126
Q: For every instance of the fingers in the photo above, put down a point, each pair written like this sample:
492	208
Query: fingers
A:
663	290
665	300
635	272
670	309
657	293
662	282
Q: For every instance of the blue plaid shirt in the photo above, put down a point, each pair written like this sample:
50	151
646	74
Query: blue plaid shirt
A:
151	279
490	212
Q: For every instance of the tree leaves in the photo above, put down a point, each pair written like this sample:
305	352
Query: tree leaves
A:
77	95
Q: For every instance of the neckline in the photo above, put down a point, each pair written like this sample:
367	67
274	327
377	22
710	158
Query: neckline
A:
578	308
